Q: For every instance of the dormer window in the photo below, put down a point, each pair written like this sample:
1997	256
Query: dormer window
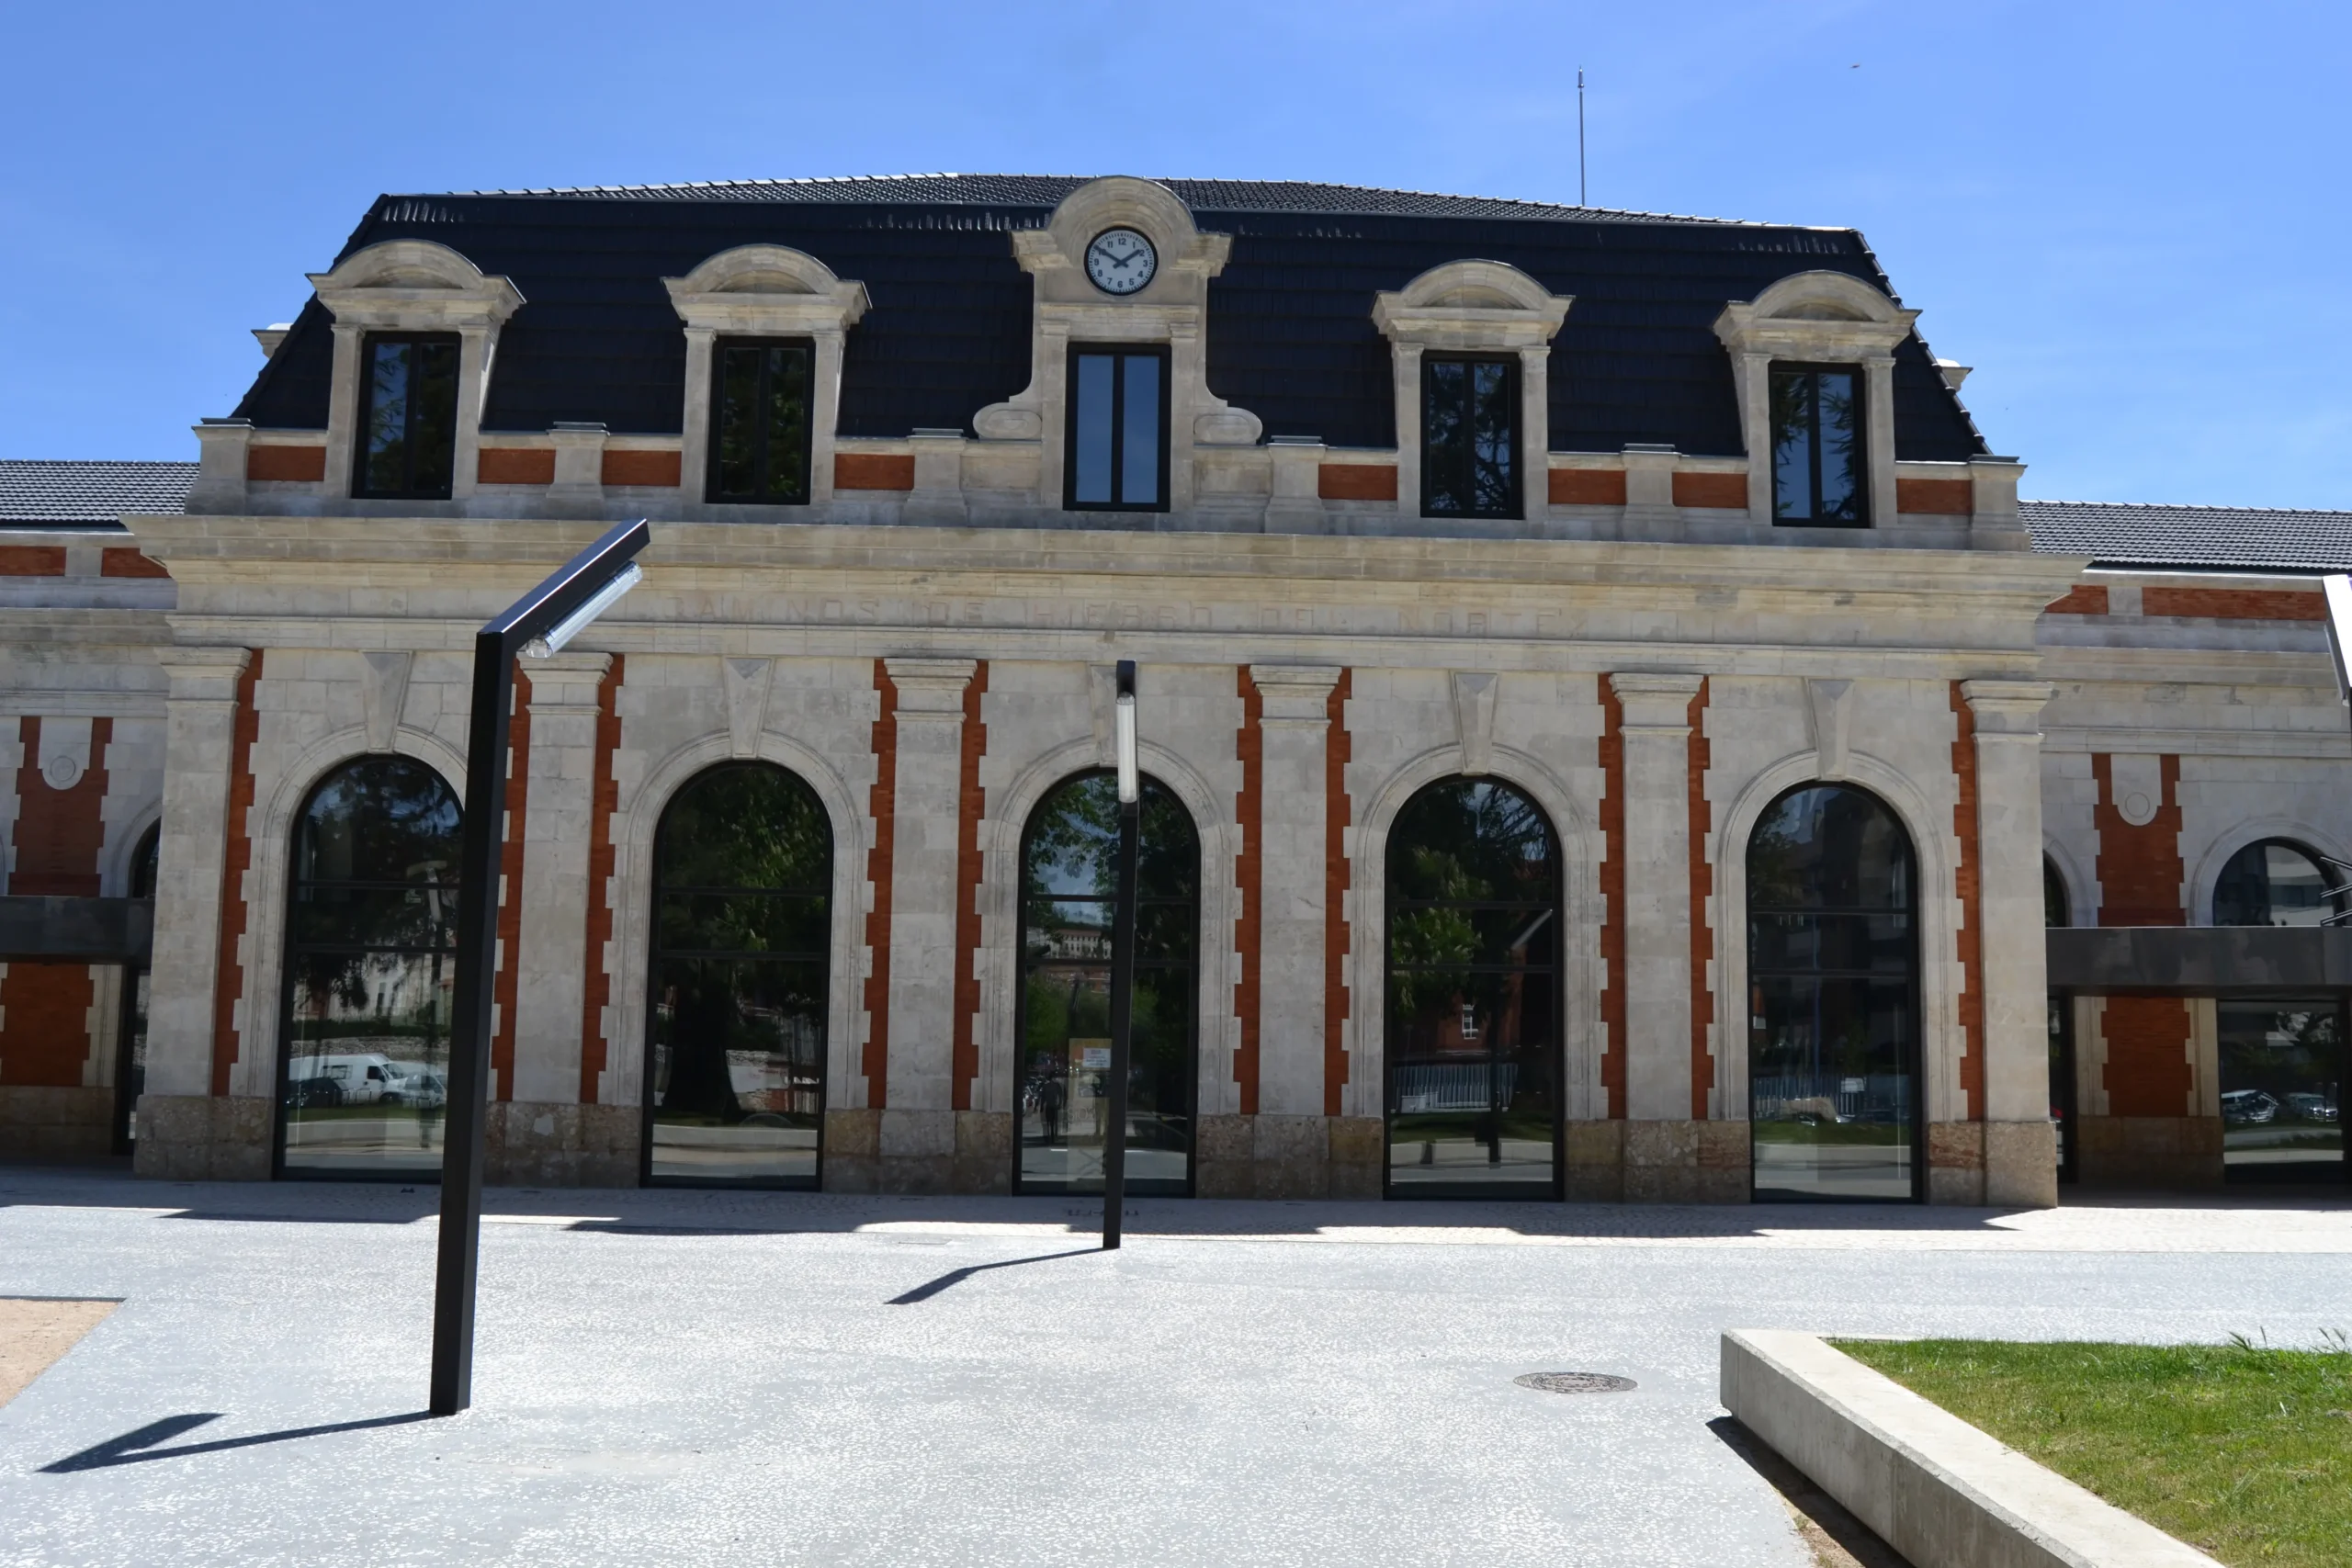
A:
1818	445
408	416
760	397
1118	430
1469	437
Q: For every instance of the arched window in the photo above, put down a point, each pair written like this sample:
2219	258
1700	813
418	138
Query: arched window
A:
1068	884
2273	883
2056	909
370	966
1474	978
1833	1032
735	1037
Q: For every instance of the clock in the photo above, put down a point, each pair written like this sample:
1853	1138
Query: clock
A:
1121	261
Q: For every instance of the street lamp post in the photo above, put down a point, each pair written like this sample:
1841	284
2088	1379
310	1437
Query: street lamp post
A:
538	625
1123	957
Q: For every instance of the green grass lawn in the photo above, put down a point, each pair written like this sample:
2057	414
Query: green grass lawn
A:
2244	1451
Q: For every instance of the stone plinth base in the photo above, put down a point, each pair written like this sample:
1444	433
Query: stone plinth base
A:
2162	1152
1955	1153
852	1148
1686	1162
1288	1156
38	1123
917	1151
197	1137
527	1144
983	1160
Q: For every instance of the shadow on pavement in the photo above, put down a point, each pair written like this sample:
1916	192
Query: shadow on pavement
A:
1836	1538
139	1447
929	1289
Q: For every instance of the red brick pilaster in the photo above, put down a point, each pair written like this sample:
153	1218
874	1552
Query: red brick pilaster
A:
1971	909
604	799
229	978
883	805
1337	817
969	808
1249	811
1702	934
510	888
2147	1056
1613	898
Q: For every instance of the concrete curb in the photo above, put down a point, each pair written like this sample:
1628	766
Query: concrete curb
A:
1936	1489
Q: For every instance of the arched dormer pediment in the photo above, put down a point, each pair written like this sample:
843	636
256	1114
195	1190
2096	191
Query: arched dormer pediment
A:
1056	254
1815	315
767	288
414	285
1471	304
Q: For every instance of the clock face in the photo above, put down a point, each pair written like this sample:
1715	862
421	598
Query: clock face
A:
1121	261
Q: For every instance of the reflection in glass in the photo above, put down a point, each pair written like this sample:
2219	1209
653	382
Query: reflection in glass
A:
409	426
1068	886
1816	446
1140	437
760	451
735	1047
2272	883
131	1051
2054	910
1833	1032
2283	1091
371	964
1117	428
1469	438
1474	935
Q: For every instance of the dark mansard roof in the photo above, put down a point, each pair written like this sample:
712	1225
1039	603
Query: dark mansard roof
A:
1290	333
2173	538
38	494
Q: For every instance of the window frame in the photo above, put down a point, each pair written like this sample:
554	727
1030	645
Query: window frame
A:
1862	481
1159	351
1513	398
714	441
365	412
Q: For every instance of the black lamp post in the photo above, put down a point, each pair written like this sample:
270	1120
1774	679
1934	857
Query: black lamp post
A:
539	624
1122	958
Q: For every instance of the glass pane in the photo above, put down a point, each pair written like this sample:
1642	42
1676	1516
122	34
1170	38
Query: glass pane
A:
737	1074
1473	995
1824	847
385	456
737	442
2282	1091
367	1041
1069	874
736	1044
1492	495
370	924
1830	1087
1139	436
432	418
1792	435
2272	884
2053	897
1446	437
1841	424
784	418
1852	943
1090	449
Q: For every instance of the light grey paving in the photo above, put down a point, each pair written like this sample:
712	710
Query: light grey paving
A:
722	1377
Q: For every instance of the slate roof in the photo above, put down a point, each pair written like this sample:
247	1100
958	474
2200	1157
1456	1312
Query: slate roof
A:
1290	335
38	494
2227	539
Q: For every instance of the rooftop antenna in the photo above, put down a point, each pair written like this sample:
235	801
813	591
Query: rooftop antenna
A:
1580	192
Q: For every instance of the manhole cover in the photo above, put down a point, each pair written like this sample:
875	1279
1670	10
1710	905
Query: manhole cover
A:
1575	1383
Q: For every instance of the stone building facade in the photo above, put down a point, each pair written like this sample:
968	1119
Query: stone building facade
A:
1627	640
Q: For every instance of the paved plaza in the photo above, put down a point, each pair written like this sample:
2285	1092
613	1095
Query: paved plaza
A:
735	1378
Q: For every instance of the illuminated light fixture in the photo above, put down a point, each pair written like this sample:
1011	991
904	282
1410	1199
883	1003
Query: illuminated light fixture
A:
1127	743
571	625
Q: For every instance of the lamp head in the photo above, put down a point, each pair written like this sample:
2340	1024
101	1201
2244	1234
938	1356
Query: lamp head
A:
1130	781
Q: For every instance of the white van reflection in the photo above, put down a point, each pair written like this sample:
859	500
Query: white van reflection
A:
361	1078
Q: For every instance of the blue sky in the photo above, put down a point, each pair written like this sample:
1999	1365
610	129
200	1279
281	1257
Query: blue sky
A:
2131	219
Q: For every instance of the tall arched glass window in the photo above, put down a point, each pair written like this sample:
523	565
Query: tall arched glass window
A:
1068	884
1474	980
2273	883
370	967
735	1037
1832	1031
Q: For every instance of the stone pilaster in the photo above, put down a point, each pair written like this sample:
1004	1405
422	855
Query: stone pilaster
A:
2021	1149
917	1133
1291	1145
181	1135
